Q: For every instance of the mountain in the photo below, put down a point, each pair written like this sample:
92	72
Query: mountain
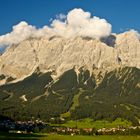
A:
72	78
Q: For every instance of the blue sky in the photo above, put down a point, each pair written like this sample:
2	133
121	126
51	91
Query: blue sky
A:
122	14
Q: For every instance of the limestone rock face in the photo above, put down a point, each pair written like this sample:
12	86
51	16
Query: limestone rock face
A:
128	48
59	55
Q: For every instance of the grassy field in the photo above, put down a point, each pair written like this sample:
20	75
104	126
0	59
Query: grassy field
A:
89	123
60	137
64	137
67	137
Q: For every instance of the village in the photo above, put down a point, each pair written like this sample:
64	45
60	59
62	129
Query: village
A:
39	126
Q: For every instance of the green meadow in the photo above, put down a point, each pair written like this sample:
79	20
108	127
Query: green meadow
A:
89	123
64	137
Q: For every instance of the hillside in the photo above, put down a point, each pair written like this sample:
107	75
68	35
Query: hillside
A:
116	96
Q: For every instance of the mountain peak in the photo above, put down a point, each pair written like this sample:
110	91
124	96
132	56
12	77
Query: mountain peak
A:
60	54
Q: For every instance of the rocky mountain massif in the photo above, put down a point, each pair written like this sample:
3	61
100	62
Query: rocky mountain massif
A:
72	78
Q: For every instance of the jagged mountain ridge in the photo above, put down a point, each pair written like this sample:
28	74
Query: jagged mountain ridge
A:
59	55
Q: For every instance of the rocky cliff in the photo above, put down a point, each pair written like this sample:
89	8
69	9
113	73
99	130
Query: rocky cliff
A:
59	55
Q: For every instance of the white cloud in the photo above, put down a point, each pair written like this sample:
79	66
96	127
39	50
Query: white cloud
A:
20	32
80	23
61	16
76	23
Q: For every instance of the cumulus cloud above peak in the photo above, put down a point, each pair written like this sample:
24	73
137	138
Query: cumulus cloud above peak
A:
76	23
80	23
